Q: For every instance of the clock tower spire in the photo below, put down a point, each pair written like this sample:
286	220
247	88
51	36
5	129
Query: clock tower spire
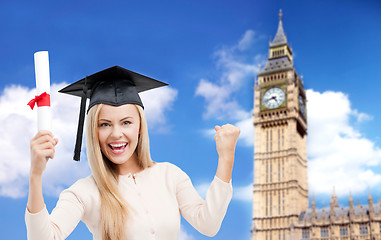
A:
280	154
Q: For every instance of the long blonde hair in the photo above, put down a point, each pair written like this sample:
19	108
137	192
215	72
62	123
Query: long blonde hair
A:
114	208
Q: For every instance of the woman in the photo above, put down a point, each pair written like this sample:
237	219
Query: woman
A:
128	196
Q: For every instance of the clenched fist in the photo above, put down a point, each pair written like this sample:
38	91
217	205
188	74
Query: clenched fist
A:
226	139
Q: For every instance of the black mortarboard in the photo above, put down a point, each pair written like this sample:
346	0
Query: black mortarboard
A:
114	86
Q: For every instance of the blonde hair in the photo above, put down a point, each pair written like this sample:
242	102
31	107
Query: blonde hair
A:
114	208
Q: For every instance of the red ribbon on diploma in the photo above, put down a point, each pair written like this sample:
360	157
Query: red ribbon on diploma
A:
41	100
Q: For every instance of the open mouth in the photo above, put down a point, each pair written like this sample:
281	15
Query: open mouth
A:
118	147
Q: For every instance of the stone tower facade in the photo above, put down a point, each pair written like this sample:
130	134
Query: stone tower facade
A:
280	151
280	201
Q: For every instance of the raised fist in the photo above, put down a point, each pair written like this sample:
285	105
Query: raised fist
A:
226	139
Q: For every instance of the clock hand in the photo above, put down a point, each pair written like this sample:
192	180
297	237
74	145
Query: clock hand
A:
273	97
268	99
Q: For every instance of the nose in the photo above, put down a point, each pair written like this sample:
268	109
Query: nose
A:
116	132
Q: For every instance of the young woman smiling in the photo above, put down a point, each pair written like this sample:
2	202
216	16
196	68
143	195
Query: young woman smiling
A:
127	196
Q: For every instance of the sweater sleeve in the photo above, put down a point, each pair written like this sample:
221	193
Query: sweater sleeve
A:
62	221
204	215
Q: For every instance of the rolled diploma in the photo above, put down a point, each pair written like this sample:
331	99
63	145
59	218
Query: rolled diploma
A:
41	67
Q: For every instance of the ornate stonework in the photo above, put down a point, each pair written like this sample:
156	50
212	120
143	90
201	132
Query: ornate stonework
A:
341	223
280	157
280	201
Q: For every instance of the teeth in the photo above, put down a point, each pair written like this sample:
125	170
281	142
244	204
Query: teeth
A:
117	145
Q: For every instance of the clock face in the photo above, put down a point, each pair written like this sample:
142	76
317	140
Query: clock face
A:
302	105
273	98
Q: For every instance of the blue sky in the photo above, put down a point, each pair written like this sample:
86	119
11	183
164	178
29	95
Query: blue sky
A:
208	52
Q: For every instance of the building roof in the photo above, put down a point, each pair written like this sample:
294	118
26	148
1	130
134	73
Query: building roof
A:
324	213
276	65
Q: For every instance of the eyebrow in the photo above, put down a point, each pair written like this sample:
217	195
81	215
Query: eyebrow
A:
125	118
103	120
121	120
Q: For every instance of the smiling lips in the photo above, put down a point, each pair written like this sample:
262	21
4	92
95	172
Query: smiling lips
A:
118	148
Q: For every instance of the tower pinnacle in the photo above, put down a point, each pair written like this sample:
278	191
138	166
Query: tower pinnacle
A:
280	37
280	54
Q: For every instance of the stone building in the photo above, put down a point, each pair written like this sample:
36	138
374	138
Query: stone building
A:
341	223
280	194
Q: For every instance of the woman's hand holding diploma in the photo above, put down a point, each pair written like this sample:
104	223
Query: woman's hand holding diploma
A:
226	139
42	147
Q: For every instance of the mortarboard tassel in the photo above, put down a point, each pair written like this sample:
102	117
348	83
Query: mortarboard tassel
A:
81	120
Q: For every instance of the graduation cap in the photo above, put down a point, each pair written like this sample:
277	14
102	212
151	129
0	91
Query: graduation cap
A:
114	86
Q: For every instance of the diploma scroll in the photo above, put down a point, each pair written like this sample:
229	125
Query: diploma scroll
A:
41	66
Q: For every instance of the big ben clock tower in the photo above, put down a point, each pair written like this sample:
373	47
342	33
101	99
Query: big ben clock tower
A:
280	151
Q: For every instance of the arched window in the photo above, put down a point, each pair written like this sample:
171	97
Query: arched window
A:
363	229
267	171
343	231
306	233
283	204
271	140
267	204
324	234
271	204
267	141
282	138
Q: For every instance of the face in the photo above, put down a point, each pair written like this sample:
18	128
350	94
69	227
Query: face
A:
118	131
273	98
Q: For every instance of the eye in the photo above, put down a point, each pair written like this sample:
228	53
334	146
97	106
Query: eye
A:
104	125
126	123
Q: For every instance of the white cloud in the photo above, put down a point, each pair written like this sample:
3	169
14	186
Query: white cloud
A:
156	103
339	156
240	193
247	40
246	136
202	189
243	193
220	104
235	70
19	125
220	94
361	117
184	235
